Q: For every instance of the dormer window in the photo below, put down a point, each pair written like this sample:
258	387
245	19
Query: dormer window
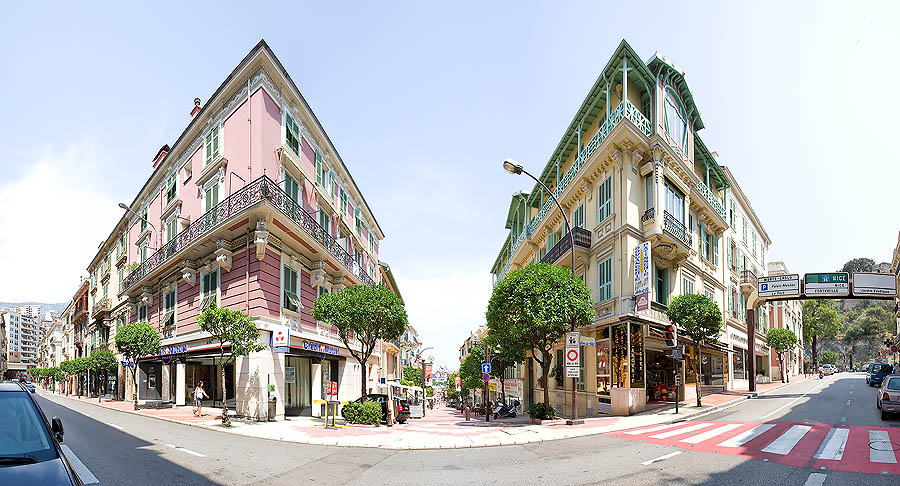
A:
676	120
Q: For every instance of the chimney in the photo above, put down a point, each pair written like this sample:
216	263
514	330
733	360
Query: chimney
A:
196	108
160	155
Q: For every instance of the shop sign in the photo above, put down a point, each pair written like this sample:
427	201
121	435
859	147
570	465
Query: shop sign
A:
642	268
172	350
320	348
588	341
642	301
280	337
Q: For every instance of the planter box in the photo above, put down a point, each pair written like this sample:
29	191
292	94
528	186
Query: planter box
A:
763	379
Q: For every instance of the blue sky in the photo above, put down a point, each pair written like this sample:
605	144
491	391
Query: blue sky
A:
424	103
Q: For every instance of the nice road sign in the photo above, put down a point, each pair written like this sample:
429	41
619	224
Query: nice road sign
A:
779	286
822	284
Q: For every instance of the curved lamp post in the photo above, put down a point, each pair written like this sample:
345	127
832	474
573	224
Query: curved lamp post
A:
515	168
422	360
128	209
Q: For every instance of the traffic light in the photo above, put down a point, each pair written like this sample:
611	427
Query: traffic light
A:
671	336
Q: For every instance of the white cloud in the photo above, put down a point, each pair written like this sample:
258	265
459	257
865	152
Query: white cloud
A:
52	220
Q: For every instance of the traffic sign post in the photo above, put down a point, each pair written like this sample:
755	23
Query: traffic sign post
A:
573	369
779	286
485	367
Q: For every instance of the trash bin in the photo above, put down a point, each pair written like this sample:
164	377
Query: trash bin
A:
272	408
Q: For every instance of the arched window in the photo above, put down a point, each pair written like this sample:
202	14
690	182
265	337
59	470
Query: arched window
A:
676	120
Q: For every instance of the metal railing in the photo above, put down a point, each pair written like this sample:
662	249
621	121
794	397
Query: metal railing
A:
712	199
102	306
748	277
625	110
582	239
676	228
649	215
263	189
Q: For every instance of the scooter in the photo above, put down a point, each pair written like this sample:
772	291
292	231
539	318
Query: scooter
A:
821	374
507	410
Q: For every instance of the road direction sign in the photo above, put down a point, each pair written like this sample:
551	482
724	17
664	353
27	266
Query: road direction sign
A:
485	367
822	284
486	376
874	283
779	286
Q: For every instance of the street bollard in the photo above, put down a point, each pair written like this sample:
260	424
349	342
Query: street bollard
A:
468	412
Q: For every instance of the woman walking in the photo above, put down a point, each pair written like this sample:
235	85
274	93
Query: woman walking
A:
199	395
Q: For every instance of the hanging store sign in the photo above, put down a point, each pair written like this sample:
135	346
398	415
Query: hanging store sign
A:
779	286
866	283
827	284
642	301
280	337
642	268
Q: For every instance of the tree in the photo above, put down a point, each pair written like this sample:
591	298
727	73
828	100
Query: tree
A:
699	319
470	370
859	265
99	361
135	341
363	315
820	319
79	367
504	353
782	341
536	306
67	370
57	374
234	328
829	357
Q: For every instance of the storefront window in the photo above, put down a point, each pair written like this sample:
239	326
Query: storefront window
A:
603	361
619	355
739	362
637	355
712	369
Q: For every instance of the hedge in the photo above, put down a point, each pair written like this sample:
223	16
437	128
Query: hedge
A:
368	413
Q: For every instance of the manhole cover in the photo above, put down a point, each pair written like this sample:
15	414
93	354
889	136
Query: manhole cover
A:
883	445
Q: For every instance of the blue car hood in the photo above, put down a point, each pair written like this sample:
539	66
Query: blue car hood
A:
50	472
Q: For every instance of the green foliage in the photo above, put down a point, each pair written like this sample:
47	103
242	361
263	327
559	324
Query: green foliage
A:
820	319
102	360
57	374
412	376
699	319
781	340
858	265
136	340
470	369
536	306
540	411
368	413
368	313
829	357
234	327
66	367
80	365
504	353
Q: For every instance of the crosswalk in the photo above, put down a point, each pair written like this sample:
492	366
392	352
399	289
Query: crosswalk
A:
813	445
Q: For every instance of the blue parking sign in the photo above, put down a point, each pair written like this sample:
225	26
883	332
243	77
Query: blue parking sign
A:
485	367
765	286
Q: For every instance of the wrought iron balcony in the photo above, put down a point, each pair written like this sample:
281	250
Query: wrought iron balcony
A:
748	281
712	199
676	228
582	239
101	307
649	215
261	190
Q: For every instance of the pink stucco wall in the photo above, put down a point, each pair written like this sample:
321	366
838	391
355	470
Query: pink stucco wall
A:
235	136
190	194
266	135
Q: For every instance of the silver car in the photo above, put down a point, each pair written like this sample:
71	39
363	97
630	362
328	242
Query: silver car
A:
888	399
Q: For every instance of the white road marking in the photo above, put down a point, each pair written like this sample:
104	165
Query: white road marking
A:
877	455
815	479
786	441
680	431
186	451
661	458
832	447
709	434
116	426
651	429
80	469
792	401
746	436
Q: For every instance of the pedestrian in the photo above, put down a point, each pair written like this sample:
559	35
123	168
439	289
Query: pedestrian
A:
199	395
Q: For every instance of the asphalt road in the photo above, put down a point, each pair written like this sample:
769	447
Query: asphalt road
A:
121	448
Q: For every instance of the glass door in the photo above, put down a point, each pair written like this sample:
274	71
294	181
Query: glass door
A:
297	398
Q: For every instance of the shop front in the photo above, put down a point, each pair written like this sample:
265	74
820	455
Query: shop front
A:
172	375
308	367
620	361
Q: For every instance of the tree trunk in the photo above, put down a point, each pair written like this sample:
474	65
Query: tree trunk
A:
134	393
224	402
697	378
781	364
545	375
362	386
502	388
815	355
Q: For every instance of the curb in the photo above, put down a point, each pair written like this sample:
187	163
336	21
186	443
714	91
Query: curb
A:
695	414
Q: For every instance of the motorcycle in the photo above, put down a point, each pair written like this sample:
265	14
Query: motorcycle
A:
821	374
504	410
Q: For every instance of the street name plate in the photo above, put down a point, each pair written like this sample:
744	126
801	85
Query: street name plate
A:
874	284
836	284
779	286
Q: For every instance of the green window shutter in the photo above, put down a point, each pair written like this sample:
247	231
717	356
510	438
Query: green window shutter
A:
604	193
730	252
604	277
318	168
715	259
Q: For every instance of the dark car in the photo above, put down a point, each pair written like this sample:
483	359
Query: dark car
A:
29	444
401	406
877	372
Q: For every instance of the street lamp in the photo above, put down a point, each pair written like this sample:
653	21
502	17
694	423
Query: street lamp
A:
422	360
515	168
126	208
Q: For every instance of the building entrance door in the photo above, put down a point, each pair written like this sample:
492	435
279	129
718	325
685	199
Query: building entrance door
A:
297	389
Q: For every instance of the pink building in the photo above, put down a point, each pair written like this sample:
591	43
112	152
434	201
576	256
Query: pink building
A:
252	207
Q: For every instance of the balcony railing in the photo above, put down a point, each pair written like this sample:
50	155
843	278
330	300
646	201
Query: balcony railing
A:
748	277
582	239
648	215
712	199
102	306
623	111
676	228
258	191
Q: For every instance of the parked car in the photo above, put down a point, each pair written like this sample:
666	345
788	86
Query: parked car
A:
29	444
888	398
877	372
401	406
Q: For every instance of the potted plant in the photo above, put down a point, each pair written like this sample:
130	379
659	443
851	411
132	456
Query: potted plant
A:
540	412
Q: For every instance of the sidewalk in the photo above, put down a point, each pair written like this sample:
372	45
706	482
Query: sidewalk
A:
443	428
